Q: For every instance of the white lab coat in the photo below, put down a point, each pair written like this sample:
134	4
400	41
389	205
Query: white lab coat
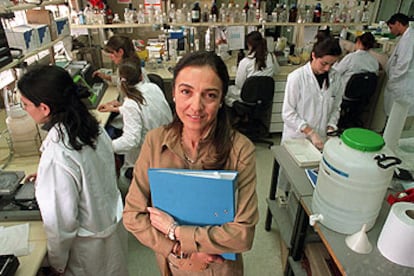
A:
138	120
81	208
305	103
247	68
400	71
356	62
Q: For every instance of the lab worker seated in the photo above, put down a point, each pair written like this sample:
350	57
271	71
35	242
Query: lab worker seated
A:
359	61
118	48
75	185
143	109
258	62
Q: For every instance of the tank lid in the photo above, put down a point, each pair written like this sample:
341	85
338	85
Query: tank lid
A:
362	139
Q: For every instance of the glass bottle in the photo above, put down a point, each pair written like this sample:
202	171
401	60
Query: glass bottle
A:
214	11
196	13
246	10
293	13
141	14
116	19
251	15
171	14
205	13
237	14
223	13
317	13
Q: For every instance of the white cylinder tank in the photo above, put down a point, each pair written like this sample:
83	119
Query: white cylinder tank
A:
354	175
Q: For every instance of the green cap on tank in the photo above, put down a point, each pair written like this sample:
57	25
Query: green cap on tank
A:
362	139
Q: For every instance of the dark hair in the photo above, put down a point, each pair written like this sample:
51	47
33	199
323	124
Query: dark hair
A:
54	87
328	46
400	17
130	74
117	42
259	47
222	134
367	40
323	34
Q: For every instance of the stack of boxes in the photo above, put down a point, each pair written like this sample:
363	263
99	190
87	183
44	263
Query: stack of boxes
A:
42	28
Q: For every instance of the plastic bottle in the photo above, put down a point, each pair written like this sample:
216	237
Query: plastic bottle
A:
317	13
246	11
196	13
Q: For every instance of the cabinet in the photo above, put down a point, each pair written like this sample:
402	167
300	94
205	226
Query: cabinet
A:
44	47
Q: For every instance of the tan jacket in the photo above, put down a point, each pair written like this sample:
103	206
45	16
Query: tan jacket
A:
162	150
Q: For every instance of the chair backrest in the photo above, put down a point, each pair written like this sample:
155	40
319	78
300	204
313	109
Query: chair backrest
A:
258	88
154	78
256	106
360	87
355	100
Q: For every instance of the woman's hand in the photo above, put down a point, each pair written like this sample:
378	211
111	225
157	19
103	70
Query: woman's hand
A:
31	178
207	258
316	140
101	75
112	106
160	220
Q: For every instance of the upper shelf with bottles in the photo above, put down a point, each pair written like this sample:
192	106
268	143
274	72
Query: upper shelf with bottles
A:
206	24
231	15
20	7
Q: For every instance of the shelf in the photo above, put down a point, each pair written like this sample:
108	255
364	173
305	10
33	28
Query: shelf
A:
209	24
282	219
31	6
17	61
296	267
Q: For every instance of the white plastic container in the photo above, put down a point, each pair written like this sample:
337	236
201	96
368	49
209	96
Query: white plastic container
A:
354	175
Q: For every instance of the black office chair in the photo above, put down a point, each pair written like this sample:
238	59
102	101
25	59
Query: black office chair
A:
357	95
254	111
154	78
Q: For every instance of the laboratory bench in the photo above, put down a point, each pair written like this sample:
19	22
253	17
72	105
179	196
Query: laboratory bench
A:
292	220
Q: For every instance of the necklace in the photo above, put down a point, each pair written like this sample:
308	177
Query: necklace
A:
188	159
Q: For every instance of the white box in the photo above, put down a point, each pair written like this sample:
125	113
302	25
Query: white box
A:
62	26
23	37
43	33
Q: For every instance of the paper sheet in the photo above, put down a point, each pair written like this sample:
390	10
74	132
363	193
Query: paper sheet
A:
14	240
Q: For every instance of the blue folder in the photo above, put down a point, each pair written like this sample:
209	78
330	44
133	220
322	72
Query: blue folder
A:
195	197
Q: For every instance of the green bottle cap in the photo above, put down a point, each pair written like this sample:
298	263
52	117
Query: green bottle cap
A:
362	139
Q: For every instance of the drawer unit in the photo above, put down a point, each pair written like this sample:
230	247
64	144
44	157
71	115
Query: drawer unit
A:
276	123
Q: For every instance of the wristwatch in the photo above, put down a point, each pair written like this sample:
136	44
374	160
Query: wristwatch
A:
171	231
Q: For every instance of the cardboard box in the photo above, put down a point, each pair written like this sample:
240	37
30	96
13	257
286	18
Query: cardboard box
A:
43	33
62	26
23	37
43	17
